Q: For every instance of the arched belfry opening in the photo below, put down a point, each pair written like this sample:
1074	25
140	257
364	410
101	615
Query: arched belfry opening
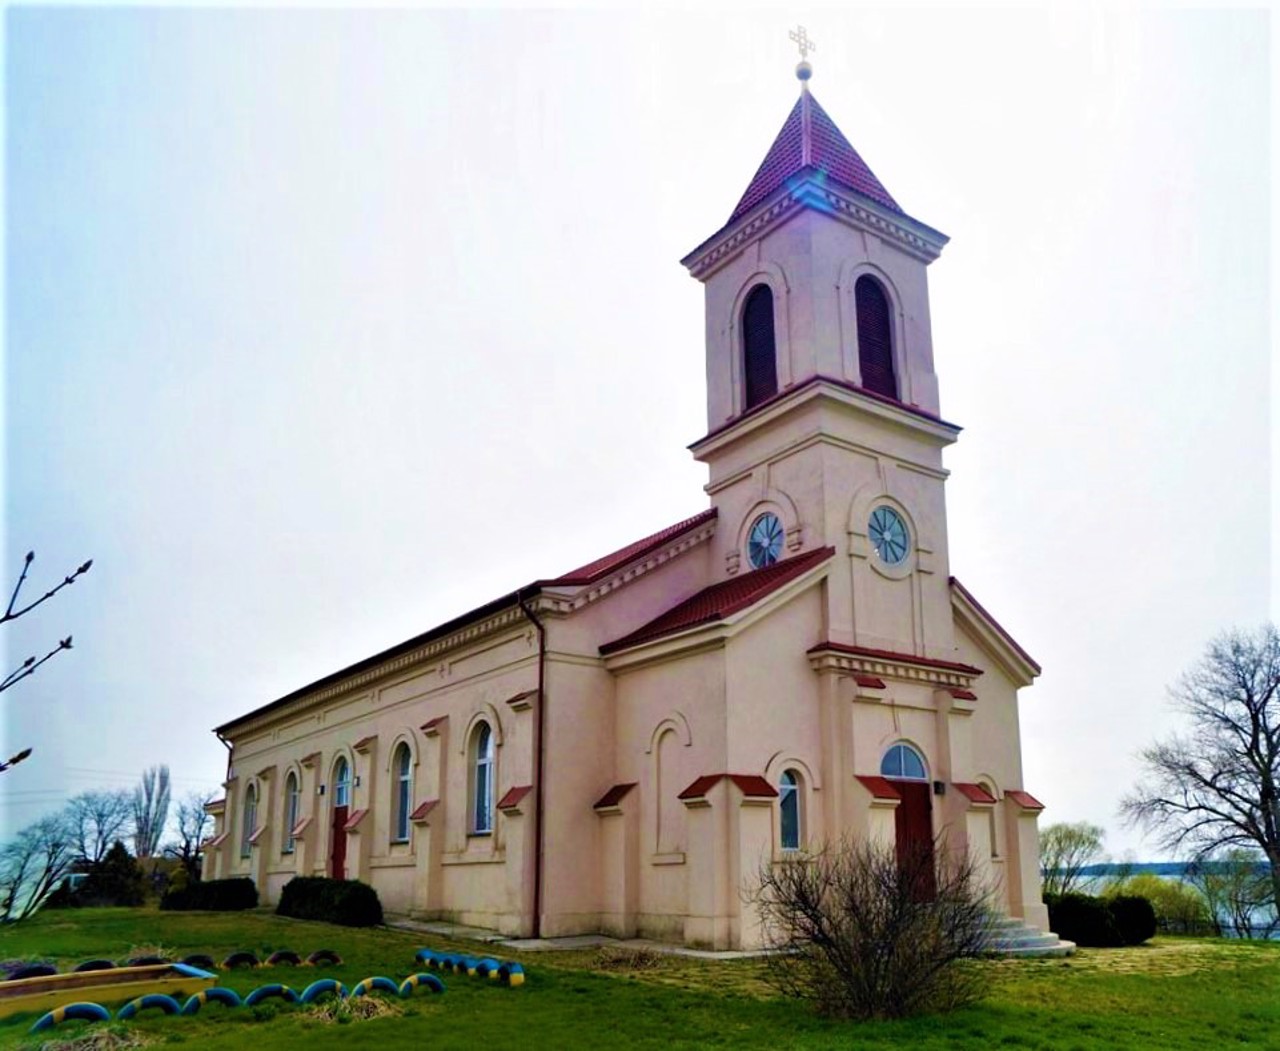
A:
875	337
759	348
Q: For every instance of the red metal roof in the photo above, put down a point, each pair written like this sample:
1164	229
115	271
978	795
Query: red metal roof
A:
724	599
973	793
748	785
354	820
310	759
614	796
423	809
879	787
810	139
300	827
1024	799
602	567
964	695
869	682
890	655
364	742
431	724
995	624
513	796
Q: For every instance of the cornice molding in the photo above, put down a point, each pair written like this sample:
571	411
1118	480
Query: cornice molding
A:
480	630
903	668
937	432
916	239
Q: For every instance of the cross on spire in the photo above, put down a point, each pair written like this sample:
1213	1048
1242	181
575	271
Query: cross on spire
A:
802	40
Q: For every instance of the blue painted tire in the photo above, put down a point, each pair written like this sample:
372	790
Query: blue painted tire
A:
264	992
511	973
215	995
488	968
167	1004
320	987
84	1011
427	956
379	983
326	956
427	981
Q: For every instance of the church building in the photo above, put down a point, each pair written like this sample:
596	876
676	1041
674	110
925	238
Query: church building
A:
620	748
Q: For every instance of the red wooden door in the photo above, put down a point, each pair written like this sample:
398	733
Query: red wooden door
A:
913	823
338	844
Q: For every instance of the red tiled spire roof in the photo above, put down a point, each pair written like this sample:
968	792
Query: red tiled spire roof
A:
724	599
810	139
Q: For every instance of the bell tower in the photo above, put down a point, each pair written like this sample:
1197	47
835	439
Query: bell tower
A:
823	424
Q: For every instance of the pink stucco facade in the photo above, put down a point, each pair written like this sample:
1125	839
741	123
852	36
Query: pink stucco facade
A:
631	781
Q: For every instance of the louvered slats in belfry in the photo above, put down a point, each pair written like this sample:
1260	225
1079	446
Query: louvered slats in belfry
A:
875	342
759	355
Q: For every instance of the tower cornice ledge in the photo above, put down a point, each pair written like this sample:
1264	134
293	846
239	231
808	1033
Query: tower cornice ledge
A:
812	189
859	660
924	424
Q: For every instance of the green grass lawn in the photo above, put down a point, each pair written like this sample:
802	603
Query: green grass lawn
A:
1173	993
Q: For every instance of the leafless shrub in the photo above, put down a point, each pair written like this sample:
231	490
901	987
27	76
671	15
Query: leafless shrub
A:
863	933
113	1038
354	1009
627	958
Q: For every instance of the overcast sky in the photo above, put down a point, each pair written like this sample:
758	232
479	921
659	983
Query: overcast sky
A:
324	327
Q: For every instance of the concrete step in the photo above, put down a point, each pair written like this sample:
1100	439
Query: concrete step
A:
1011	937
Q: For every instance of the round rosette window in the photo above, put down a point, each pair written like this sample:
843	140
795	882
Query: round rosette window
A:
764	542
889	536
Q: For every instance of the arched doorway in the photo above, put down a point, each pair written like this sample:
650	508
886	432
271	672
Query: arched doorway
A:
340	807
913	820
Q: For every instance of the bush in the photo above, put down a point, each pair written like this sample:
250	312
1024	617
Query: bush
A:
1179	908
1121	919
215	895
862	934
1082	919
344	901
1133	916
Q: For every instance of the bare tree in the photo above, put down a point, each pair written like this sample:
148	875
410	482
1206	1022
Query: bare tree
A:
1065	850
193	824
150	810
32	864
29	666
1237	888
863	933
1218	785
98	819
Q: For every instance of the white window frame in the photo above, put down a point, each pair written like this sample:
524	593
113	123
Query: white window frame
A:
292	798
402	762
481	802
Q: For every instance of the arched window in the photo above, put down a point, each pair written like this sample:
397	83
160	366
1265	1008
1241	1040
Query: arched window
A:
875	337
290	810
248	825
759	354
992	823
482	780
789	809
403	791
904	763
342	782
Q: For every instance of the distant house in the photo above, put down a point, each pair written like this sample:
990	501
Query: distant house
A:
618	748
